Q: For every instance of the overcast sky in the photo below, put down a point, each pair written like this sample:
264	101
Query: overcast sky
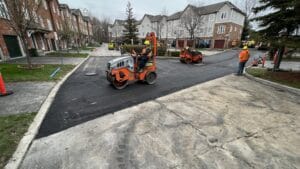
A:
116	9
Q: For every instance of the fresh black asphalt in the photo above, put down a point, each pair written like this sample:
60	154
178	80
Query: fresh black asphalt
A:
83	98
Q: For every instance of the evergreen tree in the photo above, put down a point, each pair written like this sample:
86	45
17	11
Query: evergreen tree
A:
130	33
280	24
246	29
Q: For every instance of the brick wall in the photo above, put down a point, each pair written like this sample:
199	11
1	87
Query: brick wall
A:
232	32
5	29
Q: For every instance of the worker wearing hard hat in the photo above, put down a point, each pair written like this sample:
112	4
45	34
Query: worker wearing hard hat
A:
144	56
243	58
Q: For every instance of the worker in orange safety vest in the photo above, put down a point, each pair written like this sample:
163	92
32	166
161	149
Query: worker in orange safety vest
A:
243	58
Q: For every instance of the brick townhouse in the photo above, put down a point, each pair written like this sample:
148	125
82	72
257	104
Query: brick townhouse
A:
79	23
69	24
44	33
89	28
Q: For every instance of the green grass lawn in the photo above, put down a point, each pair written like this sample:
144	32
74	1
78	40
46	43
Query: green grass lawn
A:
66	54
11	73
87	48
12	129
287	78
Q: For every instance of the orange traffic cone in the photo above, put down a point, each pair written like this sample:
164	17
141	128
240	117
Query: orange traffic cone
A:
3	91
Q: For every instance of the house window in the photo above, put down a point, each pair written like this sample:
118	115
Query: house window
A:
45	4
221	29
209	29
223	15
3	10
235	29
212	17
42	22
49	25
181	33
57	25
230	29
36	18
53	8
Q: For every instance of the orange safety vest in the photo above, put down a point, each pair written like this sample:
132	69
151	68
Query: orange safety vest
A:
244	56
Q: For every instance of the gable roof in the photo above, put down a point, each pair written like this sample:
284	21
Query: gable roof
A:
204	10
175	16
119	22
76	12
156	18
64	6
213	8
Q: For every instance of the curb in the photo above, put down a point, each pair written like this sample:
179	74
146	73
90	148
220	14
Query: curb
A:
18	156
167	57
273	84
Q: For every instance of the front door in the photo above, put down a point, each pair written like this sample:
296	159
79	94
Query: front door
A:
53	44
12	45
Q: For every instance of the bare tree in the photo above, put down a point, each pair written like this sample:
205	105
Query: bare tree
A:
100	29
66	33
22	17
247	7
197	3
164	11
191	21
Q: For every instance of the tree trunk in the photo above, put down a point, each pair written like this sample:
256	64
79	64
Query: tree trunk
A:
26	50
279	59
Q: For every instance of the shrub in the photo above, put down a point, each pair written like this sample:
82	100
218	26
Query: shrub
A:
174	53
161	51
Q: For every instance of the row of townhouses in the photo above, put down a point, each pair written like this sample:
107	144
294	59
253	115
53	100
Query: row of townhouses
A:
52	20
221	26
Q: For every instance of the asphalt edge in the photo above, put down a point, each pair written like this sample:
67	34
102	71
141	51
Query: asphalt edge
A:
23	146
273	84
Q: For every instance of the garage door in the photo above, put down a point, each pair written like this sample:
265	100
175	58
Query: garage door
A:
219	44
12	45
180	43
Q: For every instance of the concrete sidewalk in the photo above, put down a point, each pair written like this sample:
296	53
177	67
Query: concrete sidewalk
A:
27	98
231	122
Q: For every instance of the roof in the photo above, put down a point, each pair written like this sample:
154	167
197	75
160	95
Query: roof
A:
175	16
37	27
213	8
65	6
155	18
119	22
76	12
204	10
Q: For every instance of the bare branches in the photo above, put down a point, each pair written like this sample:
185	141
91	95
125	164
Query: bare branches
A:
247	6
22	14
191	21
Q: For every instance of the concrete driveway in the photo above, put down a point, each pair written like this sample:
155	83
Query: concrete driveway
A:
231	122
103	51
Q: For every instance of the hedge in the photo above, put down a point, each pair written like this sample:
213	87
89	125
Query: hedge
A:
174	53
161	51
